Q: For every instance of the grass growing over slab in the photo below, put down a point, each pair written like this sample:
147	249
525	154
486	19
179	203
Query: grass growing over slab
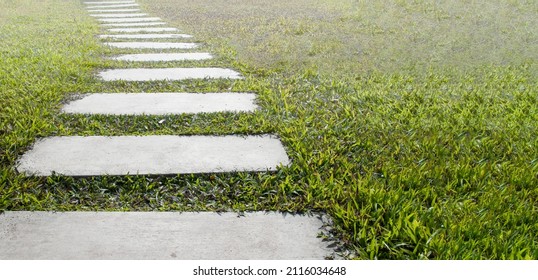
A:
412	123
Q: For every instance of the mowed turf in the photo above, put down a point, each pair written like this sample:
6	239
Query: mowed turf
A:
413	124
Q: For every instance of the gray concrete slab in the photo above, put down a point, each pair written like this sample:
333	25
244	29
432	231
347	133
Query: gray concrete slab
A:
125	20
158	57
174	74
143	29
129	15
108	2
114	11
156	154
160	235
161	103
111	6
133	24
151	45
145	36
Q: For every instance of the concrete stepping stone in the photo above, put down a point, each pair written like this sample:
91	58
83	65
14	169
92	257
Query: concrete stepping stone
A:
124	20
174	74
108	2
118	15
162	57
161	235
155	154
161	103
133	24
114	11
112	6
143	29
158	57
151	45
145	36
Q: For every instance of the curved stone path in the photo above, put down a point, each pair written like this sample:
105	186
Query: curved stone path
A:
156	235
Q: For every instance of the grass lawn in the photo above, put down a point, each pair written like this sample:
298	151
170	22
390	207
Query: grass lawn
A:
412	123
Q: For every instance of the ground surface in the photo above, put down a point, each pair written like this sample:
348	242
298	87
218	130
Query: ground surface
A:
412	123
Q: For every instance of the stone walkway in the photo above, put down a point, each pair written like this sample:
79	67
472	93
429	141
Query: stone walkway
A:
156	235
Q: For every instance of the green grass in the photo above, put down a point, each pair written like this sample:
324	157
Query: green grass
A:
412	123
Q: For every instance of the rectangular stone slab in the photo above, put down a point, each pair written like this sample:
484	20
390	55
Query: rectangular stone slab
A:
151	45
123	20
157	57
156	154
111	6
133	24
108	2
143	29
119	15
114	10
160	235
145	36
155	74
161	103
